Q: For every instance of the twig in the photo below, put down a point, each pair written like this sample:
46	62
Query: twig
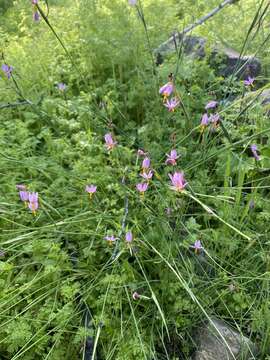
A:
123	225
11	105
141	16
45	18
89	341
194	25
88	345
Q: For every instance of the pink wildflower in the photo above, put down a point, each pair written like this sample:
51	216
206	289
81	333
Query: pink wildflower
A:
129	237
254	151
91	189
33	202
33	197
142	187
178	181
21	187
36	16
140	152
249	81
197	246
147	176
214	119
171	158
166	90
110	143
33	206
110	239
7	69
211	105
172	104
24	195
146	163
205	120
136	296
62	86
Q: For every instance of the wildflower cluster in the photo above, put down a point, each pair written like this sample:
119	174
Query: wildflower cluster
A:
30	199
211	116
166	91
146	173
128	238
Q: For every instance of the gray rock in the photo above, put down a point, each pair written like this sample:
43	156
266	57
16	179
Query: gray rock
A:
192	45
225	60
218	341
228	62
265	97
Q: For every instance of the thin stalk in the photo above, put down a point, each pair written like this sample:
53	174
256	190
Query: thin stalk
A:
211	212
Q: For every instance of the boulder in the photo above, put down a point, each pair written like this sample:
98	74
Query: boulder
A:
225	60
193	46
265	97
218	341
229	62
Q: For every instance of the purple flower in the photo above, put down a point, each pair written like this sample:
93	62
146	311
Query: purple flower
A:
205	120
129	237
197	246
178	181
34	2
140	152
211	105
91	189
142	187
166	90
24	195
254	151
214	119
136	296
33	202
36	16
110	239
249	81
62	86
33	206
33	197
171	158
110	143
146	163
20	187
132	2
147	176
7	70
172	104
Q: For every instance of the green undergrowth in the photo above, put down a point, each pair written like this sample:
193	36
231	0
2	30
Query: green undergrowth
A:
65	292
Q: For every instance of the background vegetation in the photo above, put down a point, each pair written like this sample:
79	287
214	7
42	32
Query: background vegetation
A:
65	293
